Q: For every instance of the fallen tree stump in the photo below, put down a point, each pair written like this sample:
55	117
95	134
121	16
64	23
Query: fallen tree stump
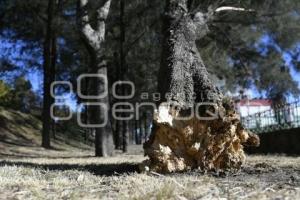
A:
181	145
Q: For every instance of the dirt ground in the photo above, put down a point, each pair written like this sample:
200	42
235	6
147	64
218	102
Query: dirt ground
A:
81	176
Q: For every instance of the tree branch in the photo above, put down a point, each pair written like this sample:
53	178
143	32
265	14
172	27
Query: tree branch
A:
102	14
85	27
229	8
218	15
92	36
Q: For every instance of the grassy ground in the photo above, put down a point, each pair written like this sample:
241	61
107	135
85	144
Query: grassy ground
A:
85	177
20	135
69	171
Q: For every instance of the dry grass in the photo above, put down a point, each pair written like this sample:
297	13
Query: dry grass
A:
264	177
28	171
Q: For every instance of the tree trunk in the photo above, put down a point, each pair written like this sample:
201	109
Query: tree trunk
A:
104	137
119	134
142	131
93	39
49	49
123	66
210	143
136	132
53	74
118	124
132	132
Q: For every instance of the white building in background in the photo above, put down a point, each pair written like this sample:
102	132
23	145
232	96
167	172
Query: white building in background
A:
250	107
247	107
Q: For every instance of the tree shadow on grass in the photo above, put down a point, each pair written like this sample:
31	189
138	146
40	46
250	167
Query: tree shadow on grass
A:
97	169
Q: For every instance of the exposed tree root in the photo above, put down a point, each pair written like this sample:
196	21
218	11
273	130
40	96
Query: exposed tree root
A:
180	145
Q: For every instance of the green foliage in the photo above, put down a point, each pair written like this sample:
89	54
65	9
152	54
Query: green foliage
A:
4	89
19	97
235	51
24	98
5	94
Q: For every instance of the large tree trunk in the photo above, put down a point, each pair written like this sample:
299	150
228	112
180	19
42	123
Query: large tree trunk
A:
103	136
49	55
93	39
179	145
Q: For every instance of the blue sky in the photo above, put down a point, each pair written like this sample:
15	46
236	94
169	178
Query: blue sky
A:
266	40
14	52
36	79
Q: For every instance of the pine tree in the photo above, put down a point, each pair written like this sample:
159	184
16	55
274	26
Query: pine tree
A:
94	39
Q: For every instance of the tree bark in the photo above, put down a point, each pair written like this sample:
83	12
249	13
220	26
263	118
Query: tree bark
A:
49	74
142	131
123	69
94	39
146	126
103	136
179	145
118	125
136	132
119	134
53	75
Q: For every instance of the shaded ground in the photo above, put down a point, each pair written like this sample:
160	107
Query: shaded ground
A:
85	177
20	136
